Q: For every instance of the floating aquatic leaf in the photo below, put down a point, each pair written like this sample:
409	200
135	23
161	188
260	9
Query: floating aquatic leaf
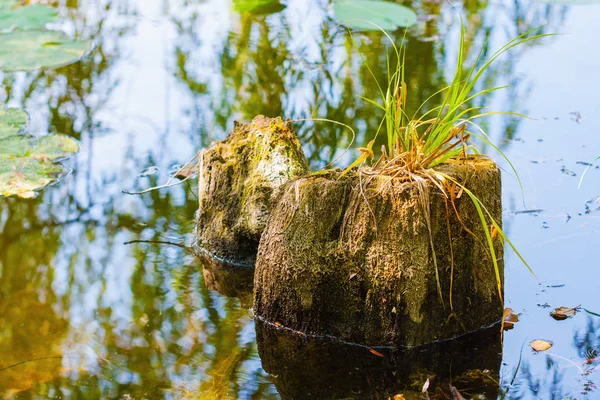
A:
257	6
31	50
540	345
12	121
509	319
562	313
382	14
28	17
27	164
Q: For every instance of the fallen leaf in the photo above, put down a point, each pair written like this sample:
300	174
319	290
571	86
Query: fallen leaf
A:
353	275
277	324
509	318
373	351
562	313
540	345
399	397
188	170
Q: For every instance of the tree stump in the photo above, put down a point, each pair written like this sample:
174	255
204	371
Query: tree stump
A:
237	181
353	258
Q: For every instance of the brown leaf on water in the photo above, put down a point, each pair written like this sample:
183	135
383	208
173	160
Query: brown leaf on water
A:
375	352
509	318
188	170
562	313
540	345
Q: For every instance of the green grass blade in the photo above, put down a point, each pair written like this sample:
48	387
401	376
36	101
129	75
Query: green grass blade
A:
585	172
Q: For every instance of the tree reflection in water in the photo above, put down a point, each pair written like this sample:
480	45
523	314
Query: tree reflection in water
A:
89	317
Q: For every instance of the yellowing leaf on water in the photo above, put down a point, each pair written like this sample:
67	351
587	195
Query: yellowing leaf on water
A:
399	397
540	345
509	318
28	164
562	313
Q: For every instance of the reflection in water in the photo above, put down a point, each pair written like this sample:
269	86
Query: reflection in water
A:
84	316
305	367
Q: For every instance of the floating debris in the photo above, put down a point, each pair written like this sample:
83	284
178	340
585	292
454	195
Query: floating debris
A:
539	345
535	211
566	171
562	313
148	172
509	318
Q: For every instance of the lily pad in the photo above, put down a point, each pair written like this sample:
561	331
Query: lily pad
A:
28	164
34	16
31	50
257	6
12	121
373	15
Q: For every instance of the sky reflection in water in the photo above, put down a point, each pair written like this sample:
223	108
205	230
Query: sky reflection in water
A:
100	319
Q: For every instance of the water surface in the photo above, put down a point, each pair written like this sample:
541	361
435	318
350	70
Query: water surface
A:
85	315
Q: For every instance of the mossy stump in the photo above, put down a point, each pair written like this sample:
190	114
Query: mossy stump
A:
352	258
237	181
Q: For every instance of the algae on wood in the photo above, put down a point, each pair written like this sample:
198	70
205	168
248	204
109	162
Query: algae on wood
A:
237	181
352	258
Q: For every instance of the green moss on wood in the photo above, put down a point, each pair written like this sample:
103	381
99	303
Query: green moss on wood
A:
352	258
238	179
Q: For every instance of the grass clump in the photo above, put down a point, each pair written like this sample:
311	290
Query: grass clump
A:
419	141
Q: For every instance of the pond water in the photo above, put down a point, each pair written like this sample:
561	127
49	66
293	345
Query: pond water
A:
95	304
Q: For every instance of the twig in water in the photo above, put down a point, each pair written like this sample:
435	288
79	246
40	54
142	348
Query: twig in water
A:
158	187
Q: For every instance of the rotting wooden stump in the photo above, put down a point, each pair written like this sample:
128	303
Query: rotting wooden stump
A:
237	180
352	258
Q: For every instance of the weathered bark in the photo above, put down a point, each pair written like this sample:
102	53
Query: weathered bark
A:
352	258
305	367
238	177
